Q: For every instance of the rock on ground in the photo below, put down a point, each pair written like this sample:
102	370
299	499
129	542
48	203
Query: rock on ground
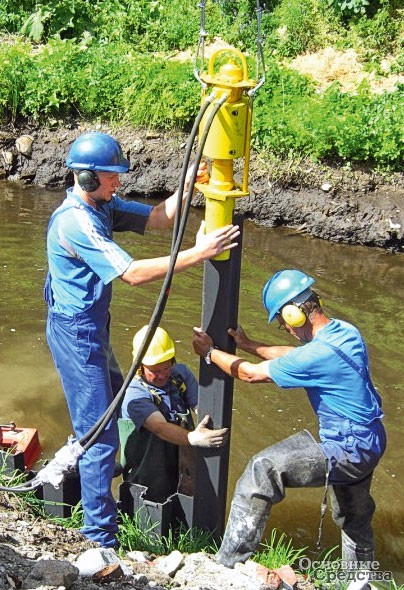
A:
35	553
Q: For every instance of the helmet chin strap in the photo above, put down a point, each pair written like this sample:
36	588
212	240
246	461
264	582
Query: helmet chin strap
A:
97	202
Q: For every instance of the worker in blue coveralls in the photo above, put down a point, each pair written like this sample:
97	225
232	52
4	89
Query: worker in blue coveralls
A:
333	367
157	410
83	260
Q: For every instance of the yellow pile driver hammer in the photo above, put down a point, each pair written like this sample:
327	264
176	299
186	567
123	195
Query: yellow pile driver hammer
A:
229	135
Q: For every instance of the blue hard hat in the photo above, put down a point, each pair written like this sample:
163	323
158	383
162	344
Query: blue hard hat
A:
97	151
285	286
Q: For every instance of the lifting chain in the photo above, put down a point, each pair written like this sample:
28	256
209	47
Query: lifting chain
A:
200	50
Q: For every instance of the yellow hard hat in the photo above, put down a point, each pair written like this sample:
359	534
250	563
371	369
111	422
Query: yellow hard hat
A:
161	348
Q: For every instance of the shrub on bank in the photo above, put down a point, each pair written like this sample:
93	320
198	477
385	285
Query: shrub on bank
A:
65	79
97	64
293	120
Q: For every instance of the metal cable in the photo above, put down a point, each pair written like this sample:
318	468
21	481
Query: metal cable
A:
201	43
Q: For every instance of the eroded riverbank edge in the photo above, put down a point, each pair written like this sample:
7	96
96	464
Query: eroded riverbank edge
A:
338	203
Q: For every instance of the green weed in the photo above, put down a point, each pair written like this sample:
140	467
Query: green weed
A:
161	94
22	501
74	521
324	563
111	61
135	534
278	551
300	26
349	7
294	121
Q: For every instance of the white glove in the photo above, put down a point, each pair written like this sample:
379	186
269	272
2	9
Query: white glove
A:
206	437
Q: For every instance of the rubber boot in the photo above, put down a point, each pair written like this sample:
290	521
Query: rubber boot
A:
297	461
352	510
359	558
244	530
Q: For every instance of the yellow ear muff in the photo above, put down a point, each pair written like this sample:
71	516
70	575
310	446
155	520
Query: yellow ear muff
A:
293	316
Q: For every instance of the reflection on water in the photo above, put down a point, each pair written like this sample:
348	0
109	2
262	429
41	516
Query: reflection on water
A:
360	285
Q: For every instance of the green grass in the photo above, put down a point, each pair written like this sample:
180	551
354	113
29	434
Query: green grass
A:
115	64
278	551
10	479
74	521
135	534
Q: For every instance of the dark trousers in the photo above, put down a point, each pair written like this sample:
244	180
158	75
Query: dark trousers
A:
294	462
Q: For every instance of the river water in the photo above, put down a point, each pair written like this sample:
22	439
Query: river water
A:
361	285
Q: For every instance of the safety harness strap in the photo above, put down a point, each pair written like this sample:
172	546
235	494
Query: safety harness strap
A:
178	382
126	427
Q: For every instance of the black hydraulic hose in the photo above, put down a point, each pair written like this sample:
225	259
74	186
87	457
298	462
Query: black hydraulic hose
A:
185	165
24	487
92	435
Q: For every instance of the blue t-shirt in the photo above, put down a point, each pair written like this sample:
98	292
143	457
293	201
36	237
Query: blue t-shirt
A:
83	259
329	379
138	403
347	405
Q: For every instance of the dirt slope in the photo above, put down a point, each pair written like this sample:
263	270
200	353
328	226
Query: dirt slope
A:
340	204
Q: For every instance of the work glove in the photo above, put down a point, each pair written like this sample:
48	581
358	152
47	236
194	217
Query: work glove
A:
206	437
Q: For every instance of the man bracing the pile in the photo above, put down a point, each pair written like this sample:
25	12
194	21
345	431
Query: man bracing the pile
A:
156	428
333	367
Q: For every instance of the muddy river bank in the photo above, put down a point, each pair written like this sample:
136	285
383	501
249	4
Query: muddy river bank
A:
339	203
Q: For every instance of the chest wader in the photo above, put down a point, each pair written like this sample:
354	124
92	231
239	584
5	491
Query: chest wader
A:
294	462
154	463
352	510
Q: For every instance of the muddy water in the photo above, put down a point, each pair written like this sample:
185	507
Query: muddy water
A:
363	286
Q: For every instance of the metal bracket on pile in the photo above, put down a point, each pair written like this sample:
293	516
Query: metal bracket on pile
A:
156	518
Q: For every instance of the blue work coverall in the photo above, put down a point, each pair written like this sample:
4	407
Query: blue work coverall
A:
83	261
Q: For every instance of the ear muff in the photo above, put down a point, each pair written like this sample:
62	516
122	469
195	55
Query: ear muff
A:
88	180
293	316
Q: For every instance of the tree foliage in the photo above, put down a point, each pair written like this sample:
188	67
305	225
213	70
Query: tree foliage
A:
113	60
